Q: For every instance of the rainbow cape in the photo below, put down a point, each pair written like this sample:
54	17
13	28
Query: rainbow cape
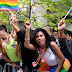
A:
10	4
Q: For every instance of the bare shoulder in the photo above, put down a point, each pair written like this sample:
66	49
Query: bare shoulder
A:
52	43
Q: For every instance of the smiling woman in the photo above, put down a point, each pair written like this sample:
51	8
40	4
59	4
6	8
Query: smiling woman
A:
40	38
41	41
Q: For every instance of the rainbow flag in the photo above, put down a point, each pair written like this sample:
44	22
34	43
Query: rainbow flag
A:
66	66
20	6
10	4
34	7
71	10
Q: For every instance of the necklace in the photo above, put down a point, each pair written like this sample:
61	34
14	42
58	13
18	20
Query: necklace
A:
38	59
34	64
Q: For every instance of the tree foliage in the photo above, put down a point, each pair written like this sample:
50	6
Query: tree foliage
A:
55	12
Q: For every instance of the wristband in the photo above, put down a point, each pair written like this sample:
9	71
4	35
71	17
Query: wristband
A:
10	12
27	39
27	31
62	37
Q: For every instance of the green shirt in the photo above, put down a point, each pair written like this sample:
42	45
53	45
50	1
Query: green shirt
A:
11	50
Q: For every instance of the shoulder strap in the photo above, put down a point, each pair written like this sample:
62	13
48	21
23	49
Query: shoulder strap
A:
52	49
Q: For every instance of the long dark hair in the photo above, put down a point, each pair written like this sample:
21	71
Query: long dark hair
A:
33	37
19	41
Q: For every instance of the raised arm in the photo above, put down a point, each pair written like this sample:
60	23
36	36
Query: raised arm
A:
13	22
7	10
2	22
64	48
27	37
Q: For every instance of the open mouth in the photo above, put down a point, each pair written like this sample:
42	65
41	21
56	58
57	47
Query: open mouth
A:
40	42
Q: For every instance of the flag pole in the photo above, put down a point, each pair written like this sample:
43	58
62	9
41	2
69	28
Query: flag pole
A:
67	13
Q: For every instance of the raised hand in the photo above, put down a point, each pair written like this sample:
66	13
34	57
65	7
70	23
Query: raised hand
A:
13	20
28	25
15	65
61	25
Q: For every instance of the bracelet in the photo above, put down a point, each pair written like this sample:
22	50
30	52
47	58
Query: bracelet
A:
62	37
27	39
10	12
27	31
21	69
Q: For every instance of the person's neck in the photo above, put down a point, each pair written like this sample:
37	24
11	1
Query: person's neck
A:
42	47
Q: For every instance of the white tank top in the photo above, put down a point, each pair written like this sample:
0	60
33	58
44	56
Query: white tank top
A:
50	58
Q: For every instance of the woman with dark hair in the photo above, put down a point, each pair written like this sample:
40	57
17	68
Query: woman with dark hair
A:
42	42
33	36
28	56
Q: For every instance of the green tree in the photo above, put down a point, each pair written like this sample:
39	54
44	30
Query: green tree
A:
21	15
56	10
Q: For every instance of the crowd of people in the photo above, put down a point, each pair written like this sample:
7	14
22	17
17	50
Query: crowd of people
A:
27	50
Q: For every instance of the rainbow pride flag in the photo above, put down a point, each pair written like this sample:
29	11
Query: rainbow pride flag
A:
71	10
20	6
66	66
10	4
34	7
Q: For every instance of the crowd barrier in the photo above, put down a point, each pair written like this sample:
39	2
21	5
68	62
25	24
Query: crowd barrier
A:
1	68
7	68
